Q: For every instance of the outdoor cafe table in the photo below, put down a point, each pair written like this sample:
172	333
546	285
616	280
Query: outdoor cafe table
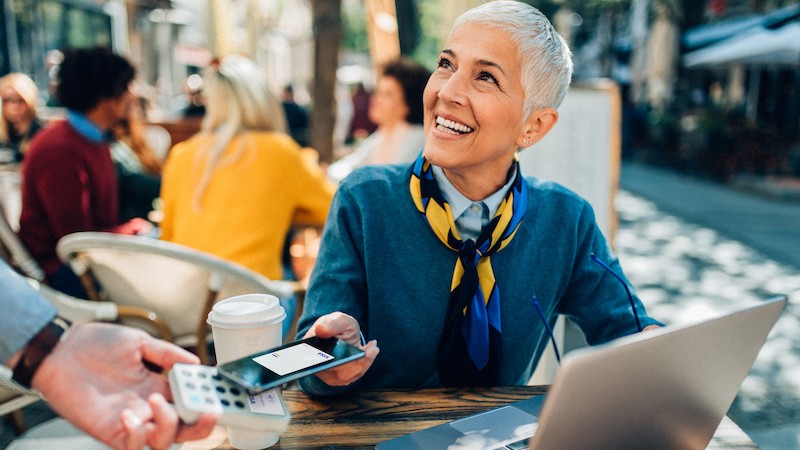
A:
360	420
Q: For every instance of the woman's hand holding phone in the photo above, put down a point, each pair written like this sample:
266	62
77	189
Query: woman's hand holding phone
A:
346	328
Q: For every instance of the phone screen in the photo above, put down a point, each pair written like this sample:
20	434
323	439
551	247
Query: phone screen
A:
289	362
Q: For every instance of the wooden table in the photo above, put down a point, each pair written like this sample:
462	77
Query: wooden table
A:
361	420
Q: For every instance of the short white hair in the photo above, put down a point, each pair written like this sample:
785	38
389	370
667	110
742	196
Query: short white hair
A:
546	60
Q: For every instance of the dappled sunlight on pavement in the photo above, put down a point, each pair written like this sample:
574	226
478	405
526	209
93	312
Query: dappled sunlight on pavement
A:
684	273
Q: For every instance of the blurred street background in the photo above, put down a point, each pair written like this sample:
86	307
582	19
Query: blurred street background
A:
709	87
707	94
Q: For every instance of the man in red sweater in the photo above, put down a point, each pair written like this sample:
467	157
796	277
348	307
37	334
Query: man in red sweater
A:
69	180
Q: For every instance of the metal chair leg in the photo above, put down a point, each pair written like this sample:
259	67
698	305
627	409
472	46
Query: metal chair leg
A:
18	423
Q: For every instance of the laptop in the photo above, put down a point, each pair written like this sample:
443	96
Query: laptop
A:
667	388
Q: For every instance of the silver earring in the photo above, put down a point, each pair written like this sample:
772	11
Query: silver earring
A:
526	142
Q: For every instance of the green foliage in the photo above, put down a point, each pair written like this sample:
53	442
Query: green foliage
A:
23	12
354	28
431	34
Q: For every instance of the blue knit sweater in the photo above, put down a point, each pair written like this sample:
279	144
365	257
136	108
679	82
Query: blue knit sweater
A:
381	263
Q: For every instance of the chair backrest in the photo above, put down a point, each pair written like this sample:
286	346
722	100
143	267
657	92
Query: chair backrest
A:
11	196
12	401
77	310
171	280
10	208
11	397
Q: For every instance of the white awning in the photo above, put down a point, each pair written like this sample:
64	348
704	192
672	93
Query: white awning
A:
718	31
760	46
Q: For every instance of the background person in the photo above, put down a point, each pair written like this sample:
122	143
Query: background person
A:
440	261
360	125
69	180
396	108
19	124
137	164
296	116
93	375
236	188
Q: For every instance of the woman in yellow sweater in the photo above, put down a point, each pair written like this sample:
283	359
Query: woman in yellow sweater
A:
237	187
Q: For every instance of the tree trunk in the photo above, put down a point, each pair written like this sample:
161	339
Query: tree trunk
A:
327	37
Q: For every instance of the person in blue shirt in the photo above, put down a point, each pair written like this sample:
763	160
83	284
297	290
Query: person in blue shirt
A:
445	262
97	376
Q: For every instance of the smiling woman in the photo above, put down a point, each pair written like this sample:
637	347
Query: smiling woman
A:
444	256
476	99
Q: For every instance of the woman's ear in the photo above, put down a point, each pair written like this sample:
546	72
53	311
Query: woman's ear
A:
539	123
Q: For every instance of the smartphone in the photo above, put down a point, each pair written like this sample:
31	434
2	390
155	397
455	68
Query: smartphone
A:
279	365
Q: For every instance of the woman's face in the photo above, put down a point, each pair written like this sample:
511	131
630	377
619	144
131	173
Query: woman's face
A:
387	106
15	110
474	105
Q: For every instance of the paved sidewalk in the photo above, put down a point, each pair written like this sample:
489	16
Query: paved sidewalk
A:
708	262
766	224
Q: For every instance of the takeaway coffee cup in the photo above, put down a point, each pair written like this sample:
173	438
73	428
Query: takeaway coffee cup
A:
246	324
241	326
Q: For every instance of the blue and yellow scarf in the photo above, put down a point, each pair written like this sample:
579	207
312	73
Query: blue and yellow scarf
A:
470	345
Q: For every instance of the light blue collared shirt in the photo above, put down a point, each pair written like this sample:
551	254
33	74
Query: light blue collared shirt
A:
87	128
470	217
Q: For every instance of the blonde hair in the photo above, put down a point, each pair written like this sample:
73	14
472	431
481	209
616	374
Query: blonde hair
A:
26	88
238	100
545	57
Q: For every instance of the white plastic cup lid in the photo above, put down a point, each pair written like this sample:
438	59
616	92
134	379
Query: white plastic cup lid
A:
246	311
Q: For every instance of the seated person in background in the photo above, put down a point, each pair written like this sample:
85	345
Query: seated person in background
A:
360	125
138	167
396	108
440	260
236	188
69	181
19	123
296	116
